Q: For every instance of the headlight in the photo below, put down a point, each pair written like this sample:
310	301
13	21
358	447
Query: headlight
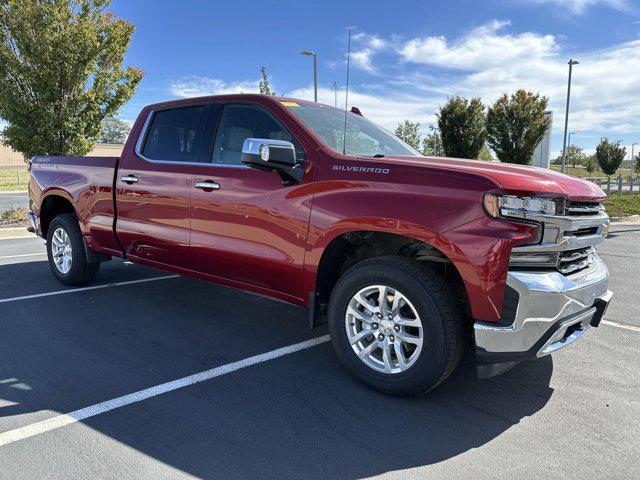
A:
503	205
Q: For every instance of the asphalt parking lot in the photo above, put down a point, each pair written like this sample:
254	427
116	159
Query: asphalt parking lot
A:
299	415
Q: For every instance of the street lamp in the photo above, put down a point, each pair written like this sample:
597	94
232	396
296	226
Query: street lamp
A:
335	93
571	62
632	145
569	145
315	72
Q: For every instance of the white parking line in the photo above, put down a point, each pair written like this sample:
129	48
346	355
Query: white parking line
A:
84	289
59	421
22	255
633	328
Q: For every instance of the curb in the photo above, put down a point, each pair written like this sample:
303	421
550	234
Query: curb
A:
13	192
629	219
17	232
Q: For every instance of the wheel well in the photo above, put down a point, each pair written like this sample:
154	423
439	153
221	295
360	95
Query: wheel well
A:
52	206
350	248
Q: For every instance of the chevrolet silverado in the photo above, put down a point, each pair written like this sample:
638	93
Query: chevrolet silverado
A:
408	258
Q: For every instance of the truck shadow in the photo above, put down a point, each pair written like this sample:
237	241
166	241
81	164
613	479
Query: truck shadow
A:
311	420
300	416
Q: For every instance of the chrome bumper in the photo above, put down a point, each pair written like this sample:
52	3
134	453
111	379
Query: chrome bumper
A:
552	311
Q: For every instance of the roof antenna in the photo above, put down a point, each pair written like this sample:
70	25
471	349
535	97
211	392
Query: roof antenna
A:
346	97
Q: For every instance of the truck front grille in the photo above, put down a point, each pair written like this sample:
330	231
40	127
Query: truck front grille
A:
574	208
569	239
572	261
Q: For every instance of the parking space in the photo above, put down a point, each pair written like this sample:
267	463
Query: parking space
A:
296	416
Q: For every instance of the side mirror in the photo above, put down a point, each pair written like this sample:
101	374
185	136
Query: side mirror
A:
267	154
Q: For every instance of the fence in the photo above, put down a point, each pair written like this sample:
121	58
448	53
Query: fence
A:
618	184
14	178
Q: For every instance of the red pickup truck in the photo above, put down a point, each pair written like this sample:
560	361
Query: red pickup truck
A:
407	257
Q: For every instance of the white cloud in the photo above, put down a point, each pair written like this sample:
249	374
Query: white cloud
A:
488	62
366	47
482	48
579	6
194	86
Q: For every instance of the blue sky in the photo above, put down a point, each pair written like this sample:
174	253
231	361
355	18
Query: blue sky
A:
408	56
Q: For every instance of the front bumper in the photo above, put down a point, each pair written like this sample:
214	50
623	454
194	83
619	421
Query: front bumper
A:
548	310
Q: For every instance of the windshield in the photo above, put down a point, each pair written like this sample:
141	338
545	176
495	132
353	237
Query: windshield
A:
364	138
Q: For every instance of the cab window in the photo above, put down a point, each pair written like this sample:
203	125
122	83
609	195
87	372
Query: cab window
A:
239	122
175	135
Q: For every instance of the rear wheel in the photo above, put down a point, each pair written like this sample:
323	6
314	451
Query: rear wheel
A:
395	325
65	250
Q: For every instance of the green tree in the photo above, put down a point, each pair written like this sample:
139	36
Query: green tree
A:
263	86
516	125
462	127
432	143
114	130
610	156
590	164
575	156
408	132
636	163
485	154
61	73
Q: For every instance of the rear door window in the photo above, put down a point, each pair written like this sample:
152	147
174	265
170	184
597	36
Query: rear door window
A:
176	135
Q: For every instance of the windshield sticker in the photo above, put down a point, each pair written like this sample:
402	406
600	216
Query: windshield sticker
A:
290	104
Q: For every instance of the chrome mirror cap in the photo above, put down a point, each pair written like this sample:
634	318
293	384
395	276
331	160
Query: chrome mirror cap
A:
263	147
272	155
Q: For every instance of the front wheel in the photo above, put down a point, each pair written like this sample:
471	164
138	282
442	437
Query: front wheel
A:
65	250
395	325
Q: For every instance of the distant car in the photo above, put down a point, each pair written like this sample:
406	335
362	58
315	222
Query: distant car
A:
406	256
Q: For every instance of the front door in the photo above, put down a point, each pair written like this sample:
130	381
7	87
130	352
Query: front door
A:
153	186
251	229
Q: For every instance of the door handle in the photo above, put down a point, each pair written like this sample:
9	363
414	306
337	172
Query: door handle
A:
207	185
130	179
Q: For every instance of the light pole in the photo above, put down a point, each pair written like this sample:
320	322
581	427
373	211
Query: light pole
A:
571	62
315	72
335	93
632	145
569	145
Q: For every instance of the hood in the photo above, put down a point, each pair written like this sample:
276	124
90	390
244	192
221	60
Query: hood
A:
515	179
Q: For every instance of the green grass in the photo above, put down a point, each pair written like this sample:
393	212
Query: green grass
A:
624	205
9	177
579	171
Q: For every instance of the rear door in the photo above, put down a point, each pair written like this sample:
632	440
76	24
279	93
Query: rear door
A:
153	185
251	229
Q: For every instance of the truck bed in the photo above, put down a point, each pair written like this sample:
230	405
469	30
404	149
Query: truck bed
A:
87	183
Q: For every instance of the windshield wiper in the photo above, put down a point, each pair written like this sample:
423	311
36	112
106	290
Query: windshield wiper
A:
379	155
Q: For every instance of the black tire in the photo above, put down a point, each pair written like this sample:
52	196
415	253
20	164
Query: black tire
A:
81	270
442	323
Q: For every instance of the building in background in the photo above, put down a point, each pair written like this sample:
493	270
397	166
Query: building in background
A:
9	158
541	158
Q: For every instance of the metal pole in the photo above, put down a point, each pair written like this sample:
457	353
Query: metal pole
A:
315	77
572	62
569	144
335	93
619	184
309	53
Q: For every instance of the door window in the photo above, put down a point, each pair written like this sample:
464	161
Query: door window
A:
175	135
239	122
